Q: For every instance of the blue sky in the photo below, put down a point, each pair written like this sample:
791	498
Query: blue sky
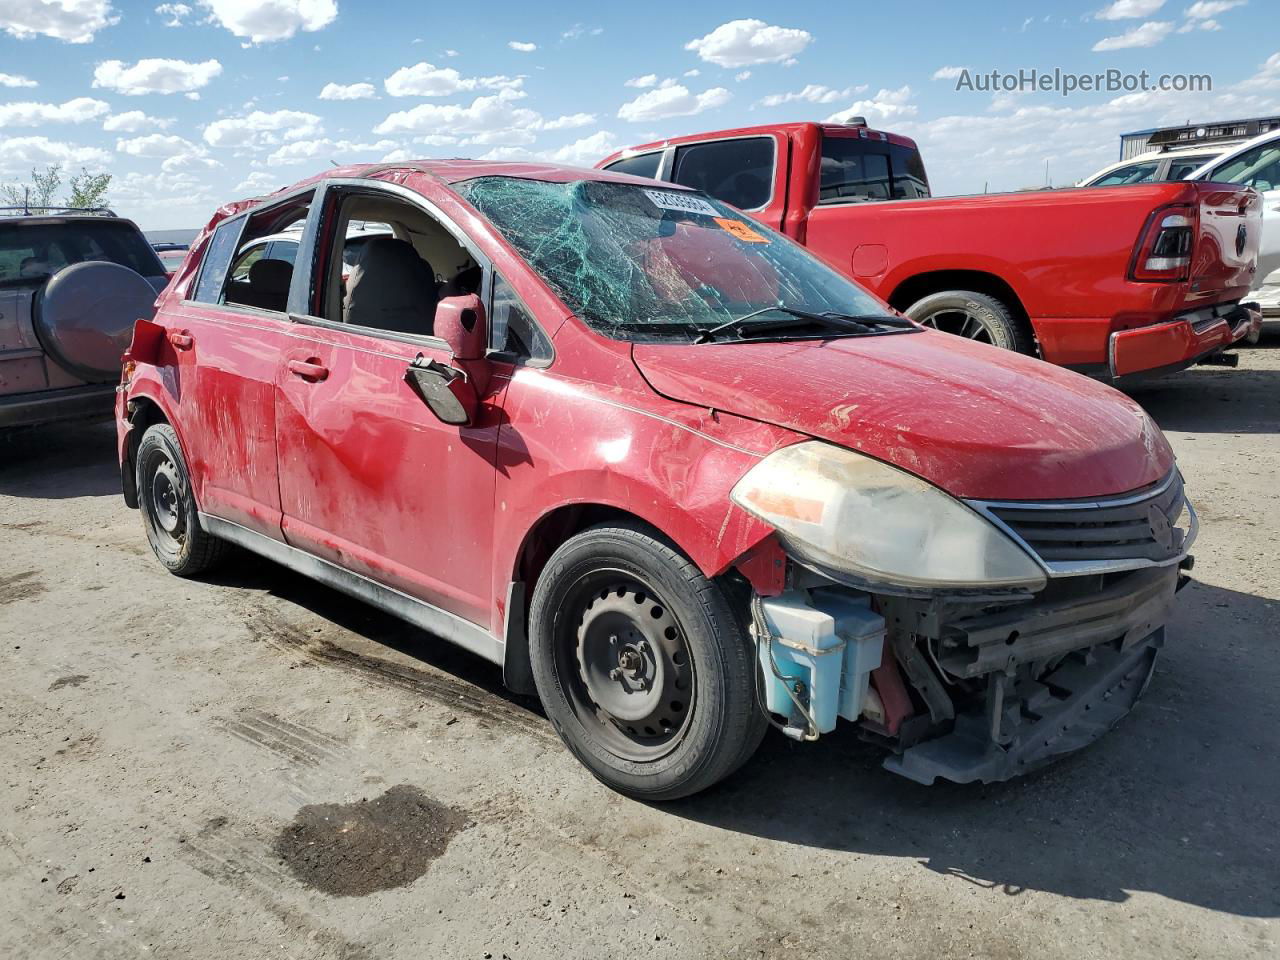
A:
190	104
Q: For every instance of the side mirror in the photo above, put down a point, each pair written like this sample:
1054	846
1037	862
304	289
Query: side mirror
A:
447	391
461	323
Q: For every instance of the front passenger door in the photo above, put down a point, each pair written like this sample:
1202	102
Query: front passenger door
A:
370	479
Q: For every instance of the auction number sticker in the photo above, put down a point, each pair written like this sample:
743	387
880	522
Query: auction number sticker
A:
741	230
682	202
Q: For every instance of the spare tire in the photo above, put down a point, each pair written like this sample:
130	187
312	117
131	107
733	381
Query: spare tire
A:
84	317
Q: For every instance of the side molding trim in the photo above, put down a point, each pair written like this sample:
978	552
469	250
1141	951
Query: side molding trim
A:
434	620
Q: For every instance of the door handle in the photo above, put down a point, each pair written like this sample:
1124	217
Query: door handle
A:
180	339
308	370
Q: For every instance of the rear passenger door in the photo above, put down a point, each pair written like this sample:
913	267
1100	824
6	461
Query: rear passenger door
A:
228	341
370	479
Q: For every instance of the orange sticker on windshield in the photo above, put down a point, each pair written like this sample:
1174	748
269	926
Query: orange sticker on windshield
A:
741	230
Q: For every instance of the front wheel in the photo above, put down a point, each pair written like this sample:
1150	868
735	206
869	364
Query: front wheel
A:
641	665
974	316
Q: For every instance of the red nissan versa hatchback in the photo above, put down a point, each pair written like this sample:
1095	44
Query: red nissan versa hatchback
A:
663	466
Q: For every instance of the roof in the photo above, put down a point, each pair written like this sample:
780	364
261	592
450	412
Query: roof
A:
766	129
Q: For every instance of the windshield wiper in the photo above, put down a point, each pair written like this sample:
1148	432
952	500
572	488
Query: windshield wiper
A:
848	323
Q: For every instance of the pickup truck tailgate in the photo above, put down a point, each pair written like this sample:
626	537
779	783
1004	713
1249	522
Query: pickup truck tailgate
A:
1223	263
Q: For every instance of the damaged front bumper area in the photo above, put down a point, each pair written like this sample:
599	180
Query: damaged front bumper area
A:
965	688
1012	689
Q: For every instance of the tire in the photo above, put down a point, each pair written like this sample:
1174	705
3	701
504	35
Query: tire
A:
168	506
976	316
604	595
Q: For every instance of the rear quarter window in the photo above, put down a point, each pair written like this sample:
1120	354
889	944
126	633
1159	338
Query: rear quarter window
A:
854	168
643	165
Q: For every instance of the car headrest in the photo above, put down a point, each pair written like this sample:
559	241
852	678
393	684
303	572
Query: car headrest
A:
271	277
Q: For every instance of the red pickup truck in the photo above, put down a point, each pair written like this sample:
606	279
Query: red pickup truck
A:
1113	282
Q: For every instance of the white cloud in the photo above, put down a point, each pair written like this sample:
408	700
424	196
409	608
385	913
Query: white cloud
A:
674	100
155	76
1210	25
885	105
134	121
75	21
743	43
1129	9
262	21
569	121
812	93
522	46
13	80
258	182
581	153
744	75
1208	9
643	83
427	80
398	156
20	154
490	118
157	145
948	73
261	128
303	151
29	114
349	91
436	139
695	72
578	31
176	12
447	53
585	152
1147	35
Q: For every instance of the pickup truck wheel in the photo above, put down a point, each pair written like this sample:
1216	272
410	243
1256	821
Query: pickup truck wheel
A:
641	665
975	316
168	506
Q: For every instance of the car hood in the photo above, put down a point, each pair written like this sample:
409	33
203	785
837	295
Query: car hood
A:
974	420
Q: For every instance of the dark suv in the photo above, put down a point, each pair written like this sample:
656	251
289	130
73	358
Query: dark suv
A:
72	283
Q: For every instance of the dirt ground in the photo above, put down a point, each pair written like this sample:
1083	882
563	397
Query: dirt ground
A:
252	766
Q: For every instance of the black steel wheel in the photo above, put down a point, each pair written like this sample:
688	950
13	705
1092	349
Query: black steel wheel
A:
642	665
633	668
168	506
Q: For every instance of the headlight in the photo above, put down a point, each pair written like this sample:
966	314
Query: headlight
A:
846	512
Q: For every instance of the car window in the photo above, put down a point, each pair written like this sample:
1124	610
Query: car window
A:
393	281
31	251
642	165
217	258
511	329
286	250
854	168
1182	167
1134	173
256	279
739	172
246	259
1258	168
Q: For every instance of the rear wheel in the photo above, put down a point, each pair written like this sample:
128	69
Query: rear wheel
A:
641	665
168	506
974	316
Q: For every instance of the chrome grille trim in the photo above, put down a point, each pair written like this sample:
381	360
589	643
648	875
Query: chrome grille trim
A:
1071	538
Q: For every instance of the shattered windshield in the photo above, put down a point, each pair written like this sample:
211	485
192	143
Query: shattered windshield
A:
646	263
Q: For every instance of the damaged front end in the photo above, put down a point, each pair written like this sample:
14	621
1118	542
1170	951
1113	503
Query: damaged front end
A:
984	685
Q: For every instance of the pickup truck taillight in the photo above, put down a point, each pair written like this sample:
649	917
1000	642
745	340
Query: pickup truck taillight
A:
1164	248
